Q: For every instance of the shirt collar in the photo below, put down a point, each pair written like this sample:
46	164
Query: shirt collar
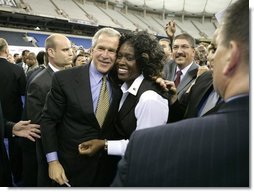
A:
53	68
95	74
184	70
236	97
133	89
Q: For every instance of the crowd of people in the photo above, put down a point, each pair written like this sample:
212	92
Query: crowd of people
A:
132	110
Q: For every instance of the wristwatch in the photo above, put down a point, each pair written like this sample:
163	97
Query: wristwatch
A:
105	144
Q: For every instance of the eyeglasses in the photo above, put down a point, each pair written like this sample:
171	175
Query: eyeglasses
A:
183	47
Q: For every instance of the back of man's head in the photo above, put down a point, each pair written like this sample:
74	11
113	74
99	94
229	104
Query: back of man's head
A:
235	26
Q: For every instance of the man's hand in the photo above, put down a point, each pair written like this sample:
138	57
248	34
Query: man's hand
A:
91	147
168	86
56	172
170	28
27	130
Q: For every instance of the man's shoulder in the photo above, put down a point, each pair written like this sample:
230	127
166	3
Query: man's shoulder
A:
197	123
70	71
42	77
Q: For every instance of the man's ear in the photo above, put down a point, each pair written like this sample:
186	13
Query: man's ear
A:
50	52
233	57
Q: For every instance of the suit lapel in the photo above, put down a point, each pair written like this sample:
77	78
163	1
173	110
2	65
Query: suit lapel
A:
189	76
83	90
172	71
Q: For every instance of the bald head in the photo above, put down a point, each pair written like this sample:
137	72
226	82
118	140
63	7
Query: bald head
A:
3	47
58	50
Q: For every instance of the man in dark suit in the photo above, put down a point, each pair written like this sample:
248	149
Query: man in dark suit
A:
7	130
36	95
23	61
208	151
5	171
12	86
69	119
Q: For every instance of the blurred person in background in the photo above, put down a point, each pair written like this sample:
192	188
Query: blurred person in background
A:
13	87
31	62
166	45
79	60
23	62
10	129
17	58
202	54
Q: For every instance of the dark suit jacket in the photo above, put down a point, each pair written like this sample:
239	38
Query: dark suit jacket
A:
31	74
68	119
13	86
35	99
192	101
29	77
37	92
198	94
5	171
199	152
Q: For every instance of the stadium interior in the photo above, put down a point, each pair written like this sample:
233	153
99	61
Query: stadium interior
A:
29	22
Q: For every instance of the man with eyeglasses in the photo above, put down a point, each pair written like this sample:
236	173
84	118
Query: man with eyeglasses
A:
184	69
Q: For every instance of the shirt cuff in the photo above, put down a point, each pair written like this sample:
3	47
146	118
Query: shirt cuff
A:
51	156
117	147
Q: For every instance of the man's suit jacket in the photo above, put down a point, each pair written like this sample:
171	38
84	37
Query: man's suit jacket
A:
35	99
13	87
187	80
5	171
68	119
207	151
37	92
198	94
192	101
169	74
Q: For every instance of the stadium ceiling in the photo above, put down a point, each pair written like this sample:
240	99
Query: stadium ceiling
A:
181	7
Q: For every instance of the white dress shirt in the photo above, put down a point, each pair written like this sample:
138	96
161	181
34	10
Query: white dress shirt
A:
151	110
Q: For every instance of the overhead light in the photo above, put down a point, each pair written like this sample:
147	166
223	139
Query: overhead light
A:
37	28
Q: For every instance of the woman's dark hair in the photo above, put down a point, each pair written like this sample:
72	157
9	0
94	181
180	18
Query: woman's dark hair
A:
148	52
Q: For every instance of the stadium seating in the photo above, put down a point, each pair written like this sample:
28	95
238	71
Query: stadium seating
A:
97	14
